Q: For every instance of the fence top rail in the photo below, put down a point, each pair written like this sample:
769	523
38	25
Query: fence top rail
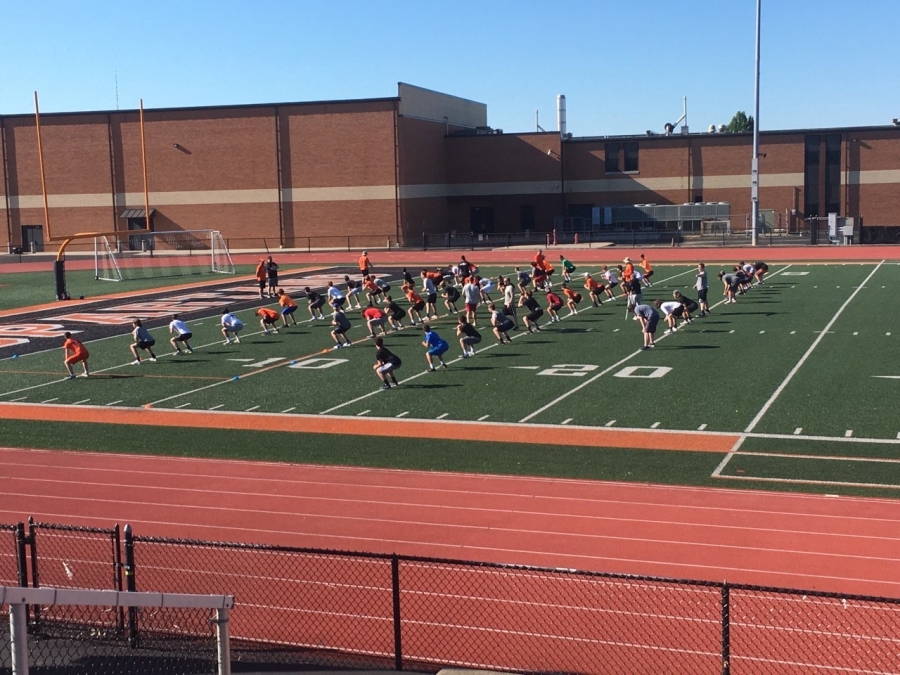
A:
7	526
14	595
75	528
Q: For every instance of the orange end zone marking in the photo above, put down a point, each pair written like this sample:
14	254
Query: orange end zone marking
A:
355	426
55	306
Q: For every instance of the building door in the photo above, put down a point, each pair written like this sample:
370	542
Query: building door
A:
481	219
140	242
32	238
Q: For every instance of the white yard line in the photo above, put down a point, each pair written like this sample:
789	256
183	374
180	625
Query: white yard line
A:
796	368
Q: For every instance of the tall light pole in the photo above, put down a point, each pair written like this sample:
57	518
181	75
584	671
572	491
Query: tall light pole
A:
754	165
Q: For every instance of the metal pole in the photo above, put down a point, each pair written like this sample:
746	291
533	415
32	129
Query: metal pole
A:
144	164
18	636
223	643
754	165
395	587
37	126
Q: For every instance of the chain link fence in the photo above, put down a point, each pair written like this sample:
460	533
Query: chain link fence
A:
300	608
9	559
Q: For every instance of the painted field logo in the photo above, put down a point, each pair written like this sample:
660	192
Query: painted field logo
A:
643	372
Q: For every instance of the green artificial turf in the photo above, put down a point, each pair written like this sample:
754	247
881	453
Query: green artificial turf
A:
761	365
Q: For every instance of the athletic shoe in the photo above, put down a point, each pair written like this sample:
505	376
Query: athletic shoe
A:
227	342
443	365
371	335
71	377
337	346
674	328
644	348
652	345
465	355
237	339
190	351
265	332
136	362
85	375
385	386
275	330
667	331
472	351
178	352
430	370
153	358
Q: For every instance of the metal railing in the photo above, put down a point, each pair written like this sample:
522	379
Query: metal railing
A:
318	607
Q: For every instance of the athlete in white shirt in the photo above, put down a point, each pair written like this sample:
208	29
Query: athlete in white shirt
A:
179	329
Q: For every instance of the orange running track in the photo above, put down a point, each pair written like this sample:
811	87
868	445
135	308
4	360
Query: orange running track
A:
838	544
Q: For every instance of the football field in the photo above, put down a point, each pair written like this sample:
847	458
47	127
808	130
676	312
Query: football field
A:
794	386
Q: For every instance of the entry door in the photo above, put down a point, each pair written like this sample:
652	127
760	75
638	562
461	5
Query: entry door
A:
140	242
481	219
32	238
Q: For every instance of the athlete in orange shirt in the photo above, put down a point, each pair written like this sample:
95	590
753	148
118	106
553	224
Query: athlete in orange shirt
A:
594	288
261	275
417	303
79	353
648	270
288	307
628	270
365	265
269	317
572	298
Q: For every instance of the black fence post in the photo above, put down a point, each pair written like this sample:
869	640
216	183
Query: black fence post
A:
424	242
726	629
117	576
130	586
20	554
395	588
31	540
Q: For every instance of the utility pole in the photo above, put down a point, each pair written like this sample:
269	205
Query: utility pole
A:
754	165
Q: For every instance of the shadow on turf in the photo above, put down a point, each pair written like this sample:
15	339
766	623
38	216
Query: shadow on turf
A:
694	347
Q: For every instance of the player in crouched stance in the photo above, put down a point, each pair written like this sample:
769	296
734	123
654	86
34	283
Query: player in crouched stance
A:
142	340
267	319
435	347
341	325
671	310
181	335
231	325
535	311
468	337
386	364
501	324
79	353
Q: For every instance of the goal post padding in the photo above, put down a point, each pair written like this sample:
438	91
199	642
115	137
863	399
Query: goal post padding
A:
145	255
66	608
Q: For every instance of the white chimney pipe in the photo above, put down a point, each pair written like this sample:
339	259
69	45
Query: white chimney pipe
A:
561	115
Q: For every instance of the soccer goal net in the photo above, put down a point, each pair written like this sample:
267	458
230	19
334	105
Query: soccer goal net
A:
148	255
72	630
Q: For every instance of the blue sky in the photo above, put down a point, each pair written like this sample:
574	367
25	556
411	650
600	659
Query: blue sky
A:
624	65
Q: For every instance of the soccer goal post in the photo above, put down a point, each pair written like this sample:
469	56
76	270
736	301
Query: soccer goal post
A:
146	255
70	632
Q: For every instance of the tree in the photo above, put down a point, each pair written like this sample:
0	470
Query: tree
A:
740	122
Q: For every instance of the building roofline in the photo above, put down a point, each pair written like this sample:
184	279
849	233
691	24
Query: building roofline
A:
239	106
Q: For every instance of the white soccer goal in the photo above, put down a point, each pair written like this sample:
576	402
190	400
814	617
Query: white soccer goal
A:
145	255
170	620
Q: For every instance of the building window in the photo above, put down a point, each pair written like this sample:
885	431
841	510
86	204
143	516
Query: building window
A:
612	157
811	163
526	216
833	173
631	156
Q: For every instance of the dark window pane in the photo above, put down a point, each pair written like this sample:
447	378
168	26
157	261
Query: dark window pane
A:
526	216
631	156
612	157
811	175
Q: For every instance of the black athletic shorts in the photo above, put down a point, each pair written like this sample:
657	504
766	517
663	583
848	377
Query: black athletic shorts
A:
701	294
535	315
